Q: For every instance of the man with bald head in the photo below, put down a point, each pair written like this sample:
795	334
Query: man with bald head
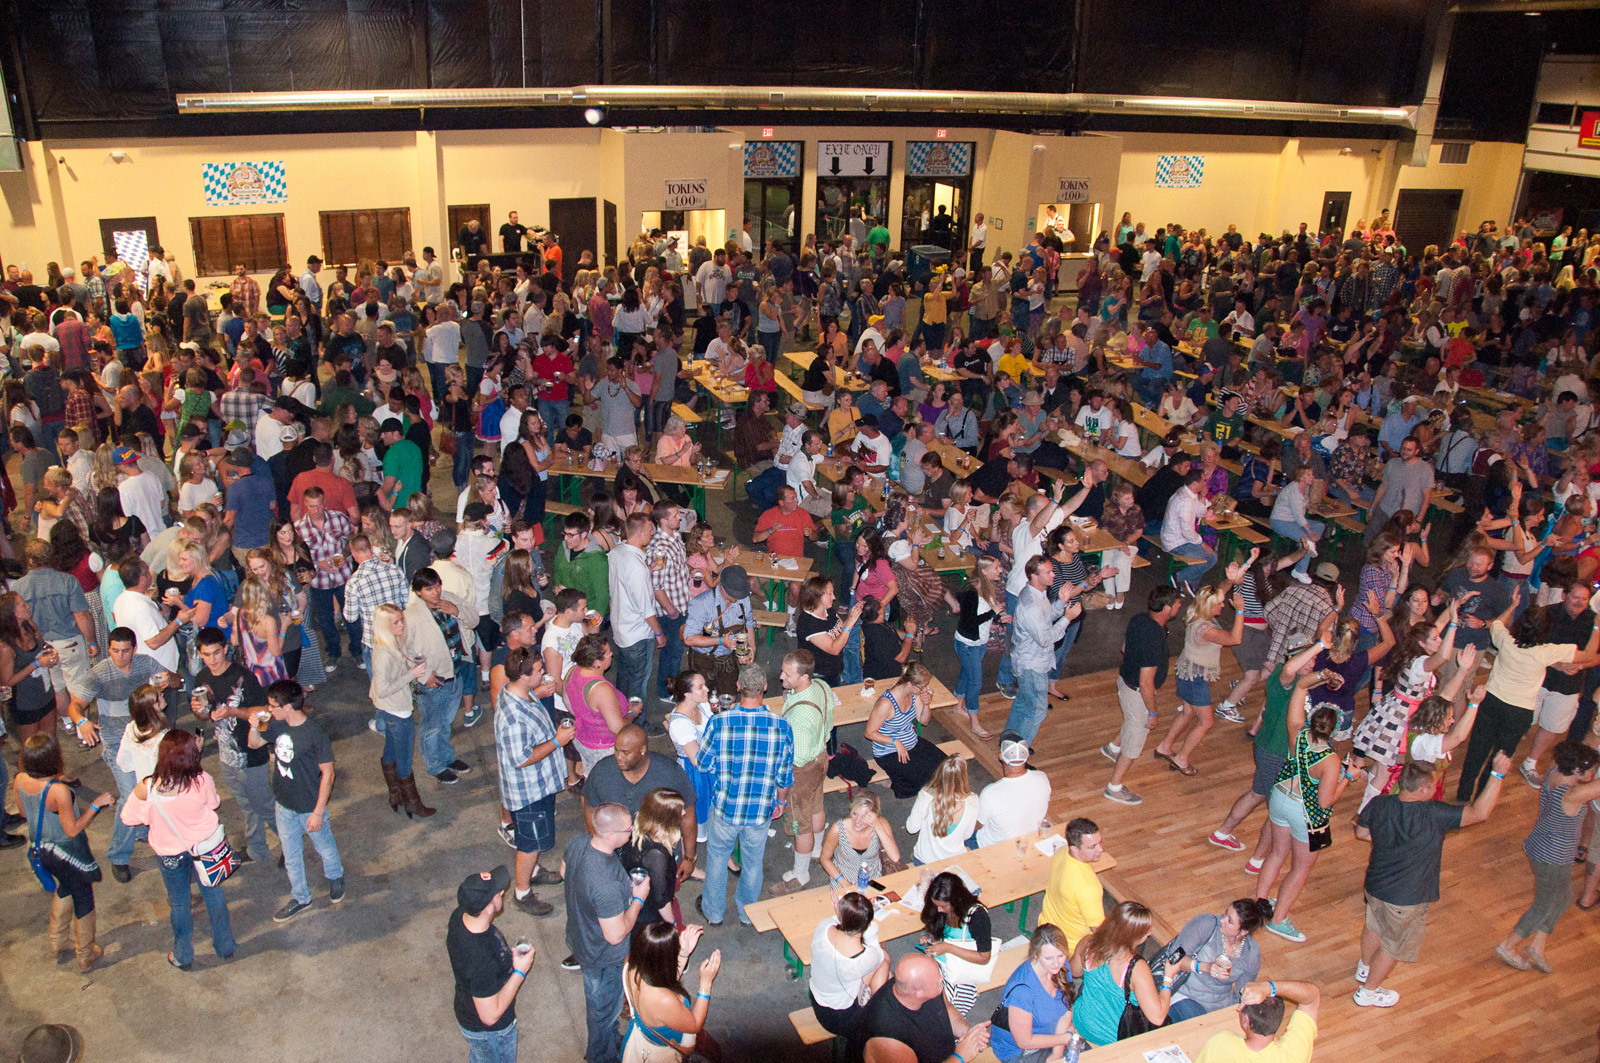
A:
629	774
910	1021
602	906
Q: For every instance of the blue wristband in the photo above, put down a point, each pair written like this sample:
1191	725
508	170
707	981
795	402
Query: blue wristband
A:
1272	987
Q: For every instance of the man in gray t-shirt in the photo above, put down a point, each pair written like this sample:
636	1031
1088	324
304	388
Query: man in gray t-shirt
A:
602	907
1407	480
665	365
619	397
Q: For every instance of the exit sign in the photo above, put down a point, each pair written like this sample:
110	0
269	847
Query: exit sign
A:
766	131
939	134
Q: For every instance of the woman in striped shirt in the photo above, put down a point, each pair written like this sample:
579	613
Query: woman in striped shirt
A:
892	729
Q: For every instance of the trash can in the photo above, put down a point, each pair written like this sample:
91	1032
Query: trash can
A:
922	260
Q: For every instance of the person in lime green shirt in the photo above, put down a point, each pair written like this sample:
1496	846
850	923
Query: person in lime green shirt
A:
878	237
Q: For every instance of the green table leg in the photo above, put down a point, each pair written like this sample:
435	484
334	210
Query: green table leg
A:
796	968
1022	920
697	500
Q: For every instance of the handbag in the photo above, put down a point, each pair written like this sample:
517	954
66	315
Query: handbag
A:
35	854
958	971
1320	838
214	858
1134	1021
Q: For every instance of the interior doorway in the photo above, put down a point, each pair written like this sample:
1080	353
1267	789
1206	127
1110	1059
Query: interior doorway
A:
573	222
130	239
458	216
1335	211
1424	216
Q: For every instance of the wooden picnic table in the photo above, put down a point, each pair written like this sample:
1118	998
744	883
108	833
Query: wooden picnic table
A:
955	460
936	371
801	359
562	466
1130	469
792	389
685	411
1190	1035
1006	872
759	565
853	708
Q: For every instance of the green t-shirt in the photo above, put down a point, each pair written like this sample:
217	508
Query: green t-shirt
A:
1206	329
851	519
1273	737
1222	429
878	235
404	462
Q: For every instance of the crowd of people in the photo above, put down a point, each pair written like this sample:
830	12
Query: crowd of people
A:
214	513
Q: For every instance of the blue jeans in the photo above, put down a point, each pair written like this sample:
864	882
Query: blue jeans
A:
252	789
1006	678
177	872
633	668
851	672
399	733
123	836
1184	1009
671	653
1364	642
292	828
1066	646
1204	558
554	414
328	607
751	839
461	463
492	1046
1312	530
437	708
970	684
602	1007
1032	702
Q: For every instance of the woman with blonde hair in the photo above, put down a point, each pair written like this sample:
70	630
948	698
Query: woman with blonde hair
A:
656	848
197	486
394	671
892	730
979	605
1038	1002
1198	665
269	589
854	848
945	813
1111	974
423	521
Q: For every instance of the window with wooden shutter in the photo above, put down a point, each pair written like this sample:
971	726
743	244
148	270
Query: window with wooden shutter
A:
224	241
353	236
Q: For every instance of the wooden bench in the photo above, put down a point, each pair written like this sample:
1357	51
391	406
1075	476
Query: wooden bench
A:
771	619
835	785
554	514
684	411
1161	551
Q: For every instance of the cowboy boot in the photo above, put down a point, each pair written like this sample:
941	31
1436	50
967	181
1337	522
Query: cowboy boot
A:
392	778
413	800
60	926
88	952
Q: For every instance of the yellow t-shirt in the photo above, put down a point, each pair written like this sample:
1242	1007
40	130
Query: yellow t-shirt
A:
1293	1046
1074	900
842	424
935	307
1014	366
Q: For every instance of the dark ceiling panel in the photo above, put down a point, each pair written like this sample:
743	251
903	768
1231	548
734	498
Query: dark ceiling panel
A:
831	43
996	46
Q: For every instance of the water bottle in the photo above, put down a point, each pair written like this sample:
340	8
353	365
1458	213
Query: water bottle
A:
861	878
1074	1049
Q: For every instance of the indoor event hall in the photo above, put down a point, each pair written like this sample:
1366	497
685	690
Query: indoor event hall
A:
917	532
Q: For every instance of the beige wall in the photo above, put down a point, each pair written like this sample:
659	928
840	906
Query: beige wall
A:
53	207
1268	184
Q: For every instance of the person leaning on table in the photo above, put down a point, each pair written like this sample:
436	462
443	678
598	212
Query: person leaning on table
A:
1260	1015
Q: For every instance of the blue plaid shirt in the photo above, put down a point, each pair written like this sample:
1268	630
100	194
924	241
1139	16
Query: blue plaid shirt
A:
750	753
520	726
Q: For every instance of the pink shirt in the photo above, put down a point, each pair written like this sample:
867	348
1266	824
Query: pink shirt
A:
193	812
590	725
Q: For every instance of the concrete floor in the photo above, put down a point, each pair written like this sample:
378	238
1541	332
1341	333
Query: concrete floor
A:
371	975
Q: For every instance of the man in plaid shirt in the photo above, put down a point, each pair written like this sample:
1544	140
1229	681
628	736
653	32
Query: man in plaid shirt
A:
749	750
671	581
246	293
532	771
327	535
1302	607
376	582
243	404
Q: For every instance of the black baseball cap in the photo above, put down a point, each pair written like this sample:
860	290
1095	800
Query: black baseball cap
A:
478	889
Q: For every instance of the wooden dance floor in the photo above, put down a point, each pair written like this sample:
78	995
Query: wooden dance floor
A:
1458	1003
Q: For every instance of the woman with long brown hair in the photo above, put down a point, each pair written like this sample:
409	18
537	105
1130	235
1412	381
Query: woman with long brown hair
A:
666	1020
1038	1002
178	804
1111	974
24	659
267	594
58	830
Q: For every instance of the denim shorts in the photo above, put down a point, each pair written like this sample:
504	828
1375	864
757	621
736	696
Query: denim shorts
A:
1288	810
1268	766
534	826
1196	692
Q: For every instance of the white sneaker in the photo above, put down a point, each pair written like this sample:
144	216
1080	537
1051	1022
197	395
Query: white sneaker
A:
1376	998
1111	751
1362	970
1302	577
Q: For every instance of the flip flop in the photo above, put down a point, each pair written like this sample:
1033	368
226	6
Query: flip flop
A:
1168	758
1190	772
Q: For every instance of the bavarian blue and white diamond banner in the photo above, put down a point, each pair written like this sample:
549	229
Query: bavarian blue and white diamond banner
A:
772	158
938	158
1179	171
239	184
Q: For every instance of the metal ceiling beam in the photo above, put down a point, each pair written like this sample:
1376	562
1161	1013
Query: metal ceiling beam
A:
774	99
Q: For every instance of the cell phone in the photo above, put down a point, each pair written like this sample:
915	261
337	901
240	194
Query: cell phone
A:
875	884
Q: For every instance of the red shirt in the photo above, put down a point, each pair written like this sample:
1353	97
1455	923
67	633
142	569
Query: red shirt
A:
788	530
547	368
337	493
1459	351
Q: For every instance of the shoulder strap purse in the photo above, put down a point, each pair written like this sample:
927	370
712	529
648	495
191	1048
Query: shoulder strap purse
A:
35	854
214	858
1134	1021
